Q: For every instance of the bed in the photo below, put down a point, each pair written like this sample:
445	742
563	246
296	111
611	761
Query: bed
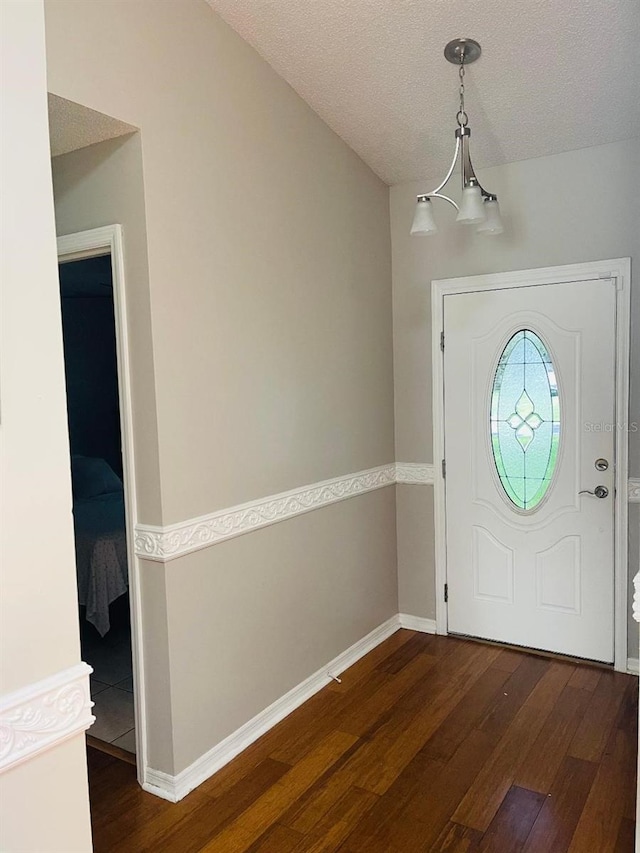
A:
101	545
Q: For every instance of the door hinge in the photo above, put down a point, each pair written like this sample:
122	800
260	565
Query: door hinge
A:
442	341
446	592
444	469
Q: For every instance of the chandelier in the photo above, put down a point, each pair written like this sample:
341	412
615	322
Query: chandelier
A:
477	206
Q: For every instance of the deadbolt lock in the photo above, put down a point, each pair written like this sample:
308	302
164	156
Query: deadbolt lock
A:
601	464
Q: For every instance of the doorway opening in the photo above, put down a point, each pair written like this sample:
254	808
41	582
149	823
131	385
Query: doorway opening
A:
94	320
93	412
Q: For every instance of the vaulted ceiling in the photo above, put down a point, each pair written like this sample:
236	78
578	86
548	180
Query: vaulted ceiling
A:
554	75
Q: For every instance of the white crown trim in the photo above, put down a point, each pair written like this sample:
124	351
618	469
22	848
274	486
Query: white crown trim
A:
415	473
166	543
174	788
634	490
42	715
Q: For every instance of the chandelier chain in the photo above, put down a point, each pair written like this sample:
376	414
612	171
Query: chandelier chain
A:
462	117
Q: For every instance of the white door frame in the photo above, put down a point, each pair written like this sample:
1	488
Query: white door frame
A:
619	270
91	244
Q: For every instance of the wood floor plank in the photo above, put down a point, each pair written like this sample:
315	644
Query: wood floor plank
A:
277	839
555	825
361	669
189	833
539	768
378	761
119	794
508	660
306	718
605	807
626	840
338	822
593	732
361	716
314	723
455	838
470	710
514	694
406	836
433	805
180	827
389	826
394	663
585	678
483	799
356	713
512	824
312	805
437	757
266	810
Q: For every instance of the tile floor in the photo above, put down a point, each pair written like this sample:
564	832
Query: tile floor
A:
111	683
113	710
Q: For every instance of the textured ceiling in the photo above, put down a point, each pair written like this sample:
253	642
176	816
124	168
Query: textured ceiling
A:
554	75
72	126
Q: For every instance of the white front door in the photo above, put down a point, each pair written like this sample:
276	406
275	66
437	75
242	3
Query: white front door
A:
529	399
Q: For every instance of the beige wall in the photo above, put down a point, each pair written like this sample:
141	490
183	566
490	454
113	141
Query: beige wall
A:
44	801
272	608
103	185
579	206
268	251
268	248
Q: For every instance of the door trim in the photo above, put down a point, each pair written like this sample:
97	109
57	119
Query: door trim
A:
91	244
618	269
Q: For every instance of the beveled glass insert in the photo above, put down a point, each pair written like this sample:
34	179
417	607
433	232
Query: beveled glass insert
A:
525	419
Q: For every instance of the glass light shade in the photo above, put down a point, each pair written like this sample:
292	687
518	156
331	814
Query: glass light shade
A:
493	221
471	207
424	224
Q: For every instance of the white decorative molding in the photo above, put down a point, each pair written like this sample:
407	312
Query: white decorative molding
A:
176	540
162	544
633	666
174	788
417	623
636	597
42	715
415	473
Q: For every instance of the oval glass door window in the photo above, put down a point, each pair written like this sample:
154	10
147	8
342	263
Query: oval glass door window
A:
525	419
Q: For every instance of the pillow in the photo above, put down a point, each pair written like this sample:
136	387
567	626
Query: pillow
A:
91	477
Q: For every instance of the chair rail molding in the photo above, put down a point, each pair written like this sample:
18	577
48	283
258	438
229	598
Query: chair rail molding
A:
415	473
162	544
167	543
42	715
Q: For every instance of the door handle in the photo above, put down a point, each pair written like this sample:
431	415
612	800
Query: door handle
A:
598	492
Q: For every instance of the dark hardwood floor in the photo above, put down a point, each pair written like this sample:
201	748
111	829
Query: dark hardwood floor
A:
429	744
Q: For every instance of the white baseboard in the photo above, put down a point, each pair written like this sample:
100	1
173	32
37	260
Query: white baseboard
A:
417	623
174	788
